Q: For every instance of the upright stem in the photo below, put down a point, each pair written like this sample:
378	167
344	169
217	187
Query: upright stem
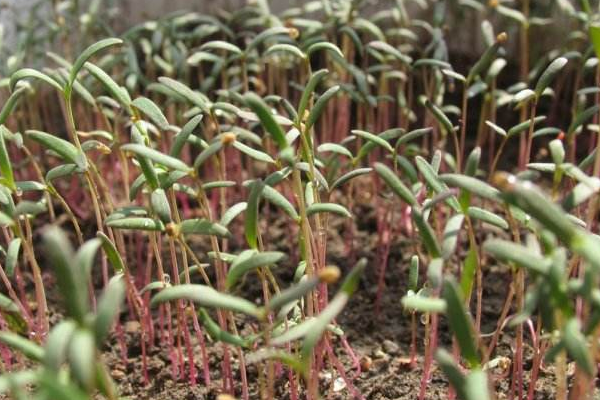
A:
524	72
530	134
40	292
463	130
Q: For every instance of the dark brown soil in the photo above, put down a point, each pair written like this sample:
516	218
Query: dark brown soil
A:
381	340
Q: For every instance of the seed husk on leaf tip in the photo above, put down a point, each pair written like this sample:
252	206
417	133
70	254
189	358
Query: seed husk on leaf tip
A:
330	274
172	229
228	138
294	33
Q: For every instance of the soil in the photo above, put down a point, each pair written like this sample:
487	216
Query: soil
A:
382	341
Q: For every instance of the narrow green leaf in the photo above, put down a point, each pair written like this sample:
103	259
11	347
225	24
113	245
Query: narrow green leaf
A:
267	34
5	220
119	93
273	196
373	138
137	223
460	322
218	334
12	256
352	280
206	297
320	323
476	385
28	348
312	83
426	233
11	103
328	208
414	134
61	171
30	186
181	138
292	293
260	108
498	129
253	153
327	46
549	74
431	177
594	32
468	272
485	60
88	53
156	156
111	253
577	346
390	50
202	227
319	107
348	176
423	304
531	200
109	306
150	109
218	185
580	193
160	205
488	217
85	258
285	48
57	389
471	185
72	285
452	372
439	115
251	261
81	357
232	212
451	232
506	251
184	91
334	148
370	145
395	184
221	45
205	154
251	221
6	304
582	117
28	73
413	274
57	344
6	171
60	146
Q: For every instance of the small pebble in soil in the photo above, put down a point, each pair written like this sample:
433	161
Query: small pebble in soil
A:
390	347
339	384
132	326
117	374
379	354
365	363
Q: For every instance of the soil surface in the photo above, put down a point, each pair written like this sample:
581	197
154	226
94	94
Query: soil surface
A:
381	340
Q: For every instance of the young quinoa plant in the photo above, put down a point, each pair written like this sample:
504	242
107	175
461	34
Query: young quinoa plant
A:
71	365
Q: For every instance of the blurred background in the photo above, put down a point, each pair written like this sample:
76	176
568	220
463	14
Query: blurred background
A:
129	11
31	28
